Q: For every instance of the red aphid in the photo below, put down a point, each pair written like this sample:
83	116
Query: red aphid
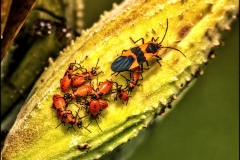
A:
59	102
81	78
65	82
81	91
103	103
103	89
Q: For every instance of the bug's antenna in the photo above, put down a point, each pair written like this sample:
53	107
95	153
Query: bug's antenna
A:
97	63
164	33
176	50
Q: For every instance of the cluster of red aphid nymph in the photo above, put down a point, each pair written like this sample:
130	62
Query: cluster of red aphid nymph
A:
76	83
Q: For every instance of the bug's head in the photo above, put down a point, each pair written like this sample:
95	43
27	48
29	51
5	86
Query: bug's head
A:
67	96
79	123
131	87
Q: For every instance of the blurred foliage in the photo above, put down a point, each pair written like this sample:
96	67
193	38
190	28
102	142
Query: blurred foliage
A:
5	9
13	15
43	36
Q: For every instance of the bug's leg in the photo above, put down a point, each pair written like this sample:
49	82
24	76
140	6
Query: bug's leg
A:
137	40
125	78
154	40
147	66
115	73
164	33
158	59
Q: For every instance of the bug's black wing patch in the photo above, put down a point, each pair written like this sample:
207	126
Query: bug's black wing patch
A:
140	55
152	48
122	63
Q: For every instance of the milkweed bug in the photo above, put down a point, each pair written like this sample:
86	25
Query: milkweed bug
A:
122	94
59	103
103	103
79	79
134	78
66	116
94	108
103	89
81	91
65	82
136	56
